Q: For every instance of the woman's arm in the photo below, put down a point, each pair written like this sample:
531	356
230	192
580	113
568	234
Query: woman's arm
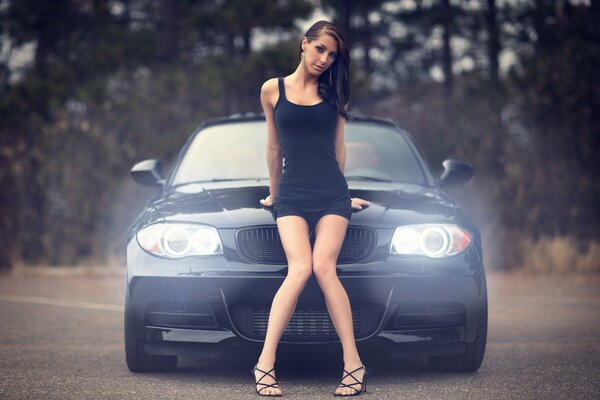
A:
340	154
340	144
268	91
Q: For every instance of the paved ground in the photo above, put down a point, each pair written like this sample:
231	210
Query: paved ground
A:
61	338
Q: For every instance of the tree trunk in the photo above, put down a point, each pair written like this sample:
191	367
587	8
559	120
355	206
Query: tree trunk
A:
44	41
345	13
447	51
539	23
247	37
32	220
367	41
493	42
167	32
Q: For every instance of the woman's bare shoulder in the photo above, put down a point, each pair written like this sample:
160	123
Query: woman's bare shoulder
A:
269	86
269	92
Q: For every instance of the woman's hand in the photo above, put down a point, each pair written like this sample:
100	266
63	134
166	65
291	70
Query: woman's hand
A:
359	204
267	201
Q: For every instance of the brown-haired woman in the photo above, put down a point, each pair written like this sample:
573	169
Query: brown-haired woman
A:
305	113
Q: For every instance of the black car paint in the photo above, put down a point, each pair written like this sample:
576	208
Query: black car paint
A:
221	281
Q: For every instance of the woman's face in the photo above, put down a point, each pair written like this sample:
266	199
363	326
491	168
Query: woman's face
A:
320	53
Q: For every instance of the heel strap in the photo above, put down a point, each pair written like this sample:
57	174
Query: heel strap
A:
351	385
265	374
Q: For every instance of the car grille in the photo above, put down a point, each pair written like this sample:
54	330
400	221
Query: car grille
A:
310	322
263	245
428	315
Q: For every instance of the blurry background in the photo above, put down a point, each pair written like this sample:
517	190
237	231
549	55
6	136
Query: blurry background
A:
89	87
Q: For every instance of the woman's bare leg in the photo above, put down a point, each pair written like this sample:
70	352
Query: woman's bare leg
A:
330	232
293	231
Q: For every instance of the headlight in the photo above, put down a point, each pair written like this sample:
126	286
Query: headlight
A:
431	240
180	240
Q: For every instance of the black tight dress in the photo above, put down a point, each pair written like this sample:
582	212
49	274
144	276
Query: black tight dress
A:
312	184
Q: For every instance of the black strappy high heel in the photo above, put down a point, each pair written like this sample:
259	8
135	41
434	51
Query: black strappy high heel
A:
350	385
275	385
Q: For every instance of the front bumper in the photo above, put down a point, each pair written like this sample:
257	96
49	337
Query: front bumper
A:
403	314
204	306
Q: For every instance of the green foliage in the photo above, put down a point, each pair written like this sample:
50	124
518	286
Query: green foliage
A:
557	90
98	100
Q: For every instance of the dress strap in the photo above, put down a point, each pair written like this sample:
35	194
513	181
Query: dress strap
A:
281	88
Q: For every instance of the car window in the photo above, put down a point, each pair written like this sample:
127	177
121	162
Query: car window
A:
237	151
382	152
225	151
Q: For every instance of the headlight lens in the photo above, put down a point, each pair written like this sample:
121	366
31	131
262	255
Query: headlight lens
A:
431	240
180	240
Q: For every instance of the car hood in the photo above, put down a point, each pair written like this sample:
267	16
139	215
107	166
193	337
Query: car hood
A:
234	207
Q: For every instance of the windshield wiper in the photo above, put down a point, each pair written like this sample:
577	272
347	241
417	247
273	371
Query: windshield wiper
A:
366	178
218	180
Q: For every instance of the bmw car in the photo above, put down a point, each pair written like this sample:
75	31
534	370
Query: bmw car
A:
204	258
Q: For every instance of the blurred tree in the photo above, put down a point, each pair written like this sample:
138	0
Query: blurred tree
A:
112	82
428	32
364	31
446	17
28	109
360	28
168	31
493	44
224	30
557	88
117	81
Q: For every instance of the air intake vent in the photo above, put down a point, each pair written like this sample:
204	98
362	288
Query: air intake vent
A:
428	315
179	314
310	322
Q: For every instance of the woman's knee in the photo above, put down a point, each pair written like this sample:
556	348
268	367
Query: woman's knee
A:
300	271
324	270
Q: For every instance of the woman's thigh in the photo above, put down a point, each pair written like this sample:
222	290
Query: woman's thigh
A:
329	238
293	233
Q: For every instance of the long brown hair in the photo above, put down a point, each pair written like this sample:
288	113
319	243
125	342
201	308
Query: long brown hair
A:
337	93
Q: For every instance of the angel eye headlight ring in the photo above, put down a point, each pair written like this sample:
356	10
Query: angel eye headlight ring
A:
430	240
178	240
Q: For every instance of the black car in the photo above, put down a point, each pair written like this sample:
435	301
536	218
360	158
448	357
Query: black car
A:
204	258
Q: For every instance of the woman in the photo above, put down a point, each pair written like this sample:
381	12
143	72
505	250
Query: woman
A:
305	114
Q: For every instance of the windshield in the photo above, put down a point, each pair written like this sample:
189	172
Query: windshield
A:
237	151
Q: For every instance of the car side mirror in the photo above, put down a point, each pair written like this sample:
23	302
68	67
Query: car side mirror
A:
148	173
455	172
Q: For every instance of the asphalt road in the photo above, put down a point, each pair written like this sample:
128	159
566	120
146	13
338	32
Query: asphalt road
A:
61	337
